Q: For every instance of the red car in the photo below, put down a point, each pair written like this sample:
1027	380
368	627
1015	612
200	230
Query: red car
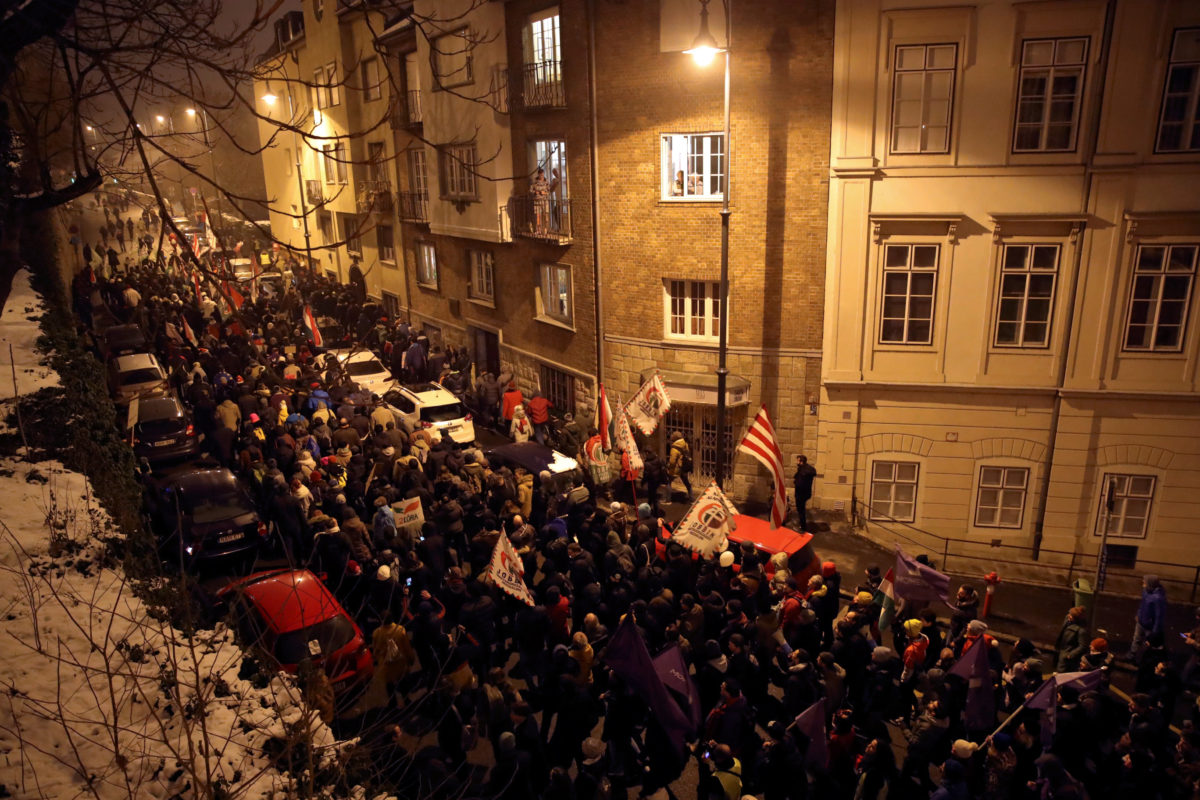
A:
288	615
802	559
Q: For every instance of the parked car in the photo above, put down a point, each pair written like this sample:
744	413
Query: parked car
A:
163	431
123	340
429	406
203	515
802	559
535	458
285	616
138	375
364	368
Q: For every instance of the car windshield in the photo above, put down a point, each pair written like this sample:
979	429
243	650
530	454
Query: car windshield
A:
133	376
446	413
215	503
369	367
152	428
315	641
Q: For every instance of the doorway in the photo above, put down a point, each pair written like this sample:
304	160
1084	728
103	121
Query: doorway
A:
485	347
698	424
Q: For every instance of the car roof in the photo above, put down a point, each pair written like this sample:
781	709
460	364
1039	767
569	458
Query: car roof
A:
759	532
160	408
126	332
290	599
430	394
534	457
135	361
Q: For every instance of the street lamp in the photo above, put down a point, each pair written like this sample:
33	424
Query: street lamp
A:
703	51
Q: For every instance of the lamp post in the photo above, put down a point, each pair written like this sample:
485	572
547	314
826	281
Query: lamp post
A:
269	98
703	51
212	162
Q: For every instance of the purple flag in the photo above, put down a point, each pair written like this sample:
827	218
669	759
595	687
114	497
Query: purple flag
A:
811	722
672	670
918	584
1046	696
629	658
974	668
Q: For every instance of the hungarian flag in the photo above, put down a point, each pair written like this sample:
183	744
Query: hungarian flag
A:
705	528
508	572
604	420
235	297
885	595
188	333
310	324
760	442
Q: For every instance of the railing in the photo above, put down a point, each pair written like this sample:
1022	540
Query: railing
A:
374	196
541	217
414	206
542	85
313	192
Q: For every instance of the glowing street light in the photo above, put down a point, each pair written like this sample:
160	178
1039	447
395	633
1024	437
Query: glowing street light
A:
705	48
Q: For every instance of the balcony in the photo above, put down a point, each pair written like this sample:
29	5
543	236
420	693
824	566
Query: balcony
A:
544	218
412	108
414	206
374	197
542	85
314	192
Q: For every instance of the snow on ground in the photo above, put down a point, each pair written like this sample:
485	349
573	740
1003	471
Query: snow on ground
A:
18	327
97	697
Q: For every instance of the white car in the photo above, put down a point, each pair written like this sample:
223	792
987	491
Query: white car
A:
364	368
427	405
138	375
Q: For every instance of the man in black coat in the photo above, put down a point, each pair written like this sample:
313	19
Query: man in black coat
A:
802	482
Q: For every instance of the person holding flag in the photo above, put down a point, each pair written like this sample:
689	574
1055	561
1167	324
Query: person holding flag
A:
760	443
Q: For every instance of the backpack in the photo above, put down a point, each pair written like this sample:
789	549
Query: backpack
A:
685	465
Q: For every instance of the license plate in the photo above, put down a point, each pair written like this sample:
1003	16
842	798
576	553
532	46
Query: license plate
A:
454	428
229	537
164	443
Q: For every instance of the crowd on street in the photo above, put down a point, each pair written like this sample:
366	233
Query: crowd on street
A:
533	687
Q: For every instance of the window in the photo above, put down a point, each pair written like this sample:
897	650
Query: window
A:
559	388
1048	94
1179	121
287	160
391	304
1000	502
340	159
543	60
372	87
923	97
417	181
330	164
1027	275
318	9
458	172
1162	289
376	156
451	56
325	82
481	287
693	310
1131	498
894	490
427	268
325	225
909	281
693	165
550	156
386	242
554	299
351	232
335	162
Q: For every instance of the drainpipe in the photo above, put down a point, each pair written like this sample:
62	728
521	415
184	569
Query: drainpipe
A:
1077	259
595	166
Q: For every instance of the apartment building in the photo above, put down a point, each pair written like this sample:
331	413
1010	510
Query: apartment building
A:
1011	327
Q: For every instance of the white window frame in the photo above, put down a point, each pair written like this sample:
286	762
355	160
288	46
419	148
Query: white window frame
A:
550	298
1031	266
452	59
701	180
1184	56
328	163
1129	493
340	160
351	234
386	244
1155	280
328	91
1001	488
927	102
371	84
893	476
482	285
1062	62
911	272
426	267
543	39
458	172
691	310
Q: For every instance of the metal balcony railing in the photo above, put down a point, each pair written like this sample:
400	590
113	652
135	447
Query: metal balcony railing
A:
314	192
414	206
542	85
374	197
537	217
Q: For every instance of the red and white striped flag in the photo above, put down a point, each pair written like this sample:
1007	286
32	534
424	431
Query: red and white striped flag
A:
188	333
310	324
760	442
604	420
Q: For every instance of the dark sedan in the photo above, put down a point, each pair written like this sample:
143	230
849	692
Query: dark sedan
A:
536	458
163	431
123	340
204	515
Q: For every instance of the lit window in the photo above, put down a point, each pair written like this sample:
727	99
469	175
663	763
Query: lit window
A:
1000	502
554	293
693	166
1131	498
894	490
1179	121
1027	276
1048	94
451	59
543	60
1159	298
923	98
481	287
325	85
909	283
693	310
427	267
458	172
372	87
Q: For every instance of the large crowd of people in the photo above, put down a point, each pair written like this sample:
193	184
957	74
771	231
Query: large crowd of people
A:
526	689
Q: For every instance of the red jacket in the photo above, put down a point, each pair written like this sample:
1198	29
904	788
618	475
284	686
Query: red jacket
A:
510	401
539	410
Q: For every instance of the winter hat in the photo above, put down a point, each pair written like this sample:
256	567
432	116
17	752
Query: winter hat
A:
507	742
384	573
593	750
644	511
726	559
864	598
253	417
976	627
828	568
963	749
1001	740
913	627
881	654
1100	645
